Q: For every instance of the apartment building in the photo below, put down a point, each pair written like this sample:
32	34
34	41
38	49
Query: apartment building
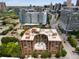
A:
69	19
32	17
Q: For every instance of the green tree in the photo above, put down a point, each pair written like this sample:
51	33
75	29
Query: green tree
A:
72	41
9	39
22	33
63	53
77	49
77	36
10	50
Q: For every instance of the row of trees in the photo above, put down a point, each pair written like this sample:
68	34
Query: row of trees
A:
72	41
44	54
61	53
49	18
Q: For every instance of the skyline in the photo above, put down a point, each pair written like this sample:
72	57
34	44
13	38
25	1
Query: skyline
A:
33	2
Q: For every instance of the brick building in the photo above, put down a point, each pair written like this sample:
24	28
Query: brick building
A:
77	4
37	39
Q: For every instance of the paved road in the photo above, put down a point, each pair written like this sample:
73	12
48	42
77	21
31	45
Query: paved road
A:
53	22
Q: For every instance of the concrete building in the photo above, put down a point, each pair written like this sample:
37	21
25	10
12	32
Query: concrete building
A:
2	6
32	17
69	3
77	4
69	19
39	40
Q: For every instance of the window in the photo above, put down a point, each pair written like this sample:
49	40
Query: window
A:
27	44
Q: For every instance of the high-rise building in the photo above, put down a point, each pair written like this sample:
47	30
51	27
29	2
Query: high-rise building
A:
2	6
69	19
32	17
69	3
77	4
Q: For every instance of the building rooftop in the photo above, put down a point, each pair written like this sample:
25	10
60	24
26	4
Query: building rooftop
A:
30	24
52	34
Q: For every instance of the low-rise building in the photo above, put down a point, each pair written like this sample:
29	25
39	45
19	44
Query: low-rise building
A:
39	40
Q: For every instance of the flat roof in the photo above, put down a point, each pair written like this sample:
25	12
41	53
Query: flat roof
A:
30	24
52	34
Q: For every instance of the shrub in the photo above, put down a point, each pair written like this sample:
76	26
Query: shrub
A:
22	33
77	49
58	55
48	18
34	54
75	32
45	54
8	39
77	36
63	53
73	42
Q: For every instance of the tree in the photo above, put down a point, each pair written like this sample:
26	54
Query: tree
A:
72	41
22	33
77	49
48	18
34	54
77	36
13	49
10	50
9	39
63	53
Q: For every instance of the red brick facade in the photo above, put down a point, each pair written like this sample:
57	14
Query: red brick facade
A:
52	46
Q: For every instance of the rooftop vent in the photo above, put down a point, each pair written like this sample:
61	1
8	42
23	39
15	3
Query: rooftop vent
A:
54	34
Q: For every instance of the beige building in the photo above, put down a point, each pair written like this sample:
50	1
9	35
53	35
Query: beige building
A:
69	3
2	6
37	39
